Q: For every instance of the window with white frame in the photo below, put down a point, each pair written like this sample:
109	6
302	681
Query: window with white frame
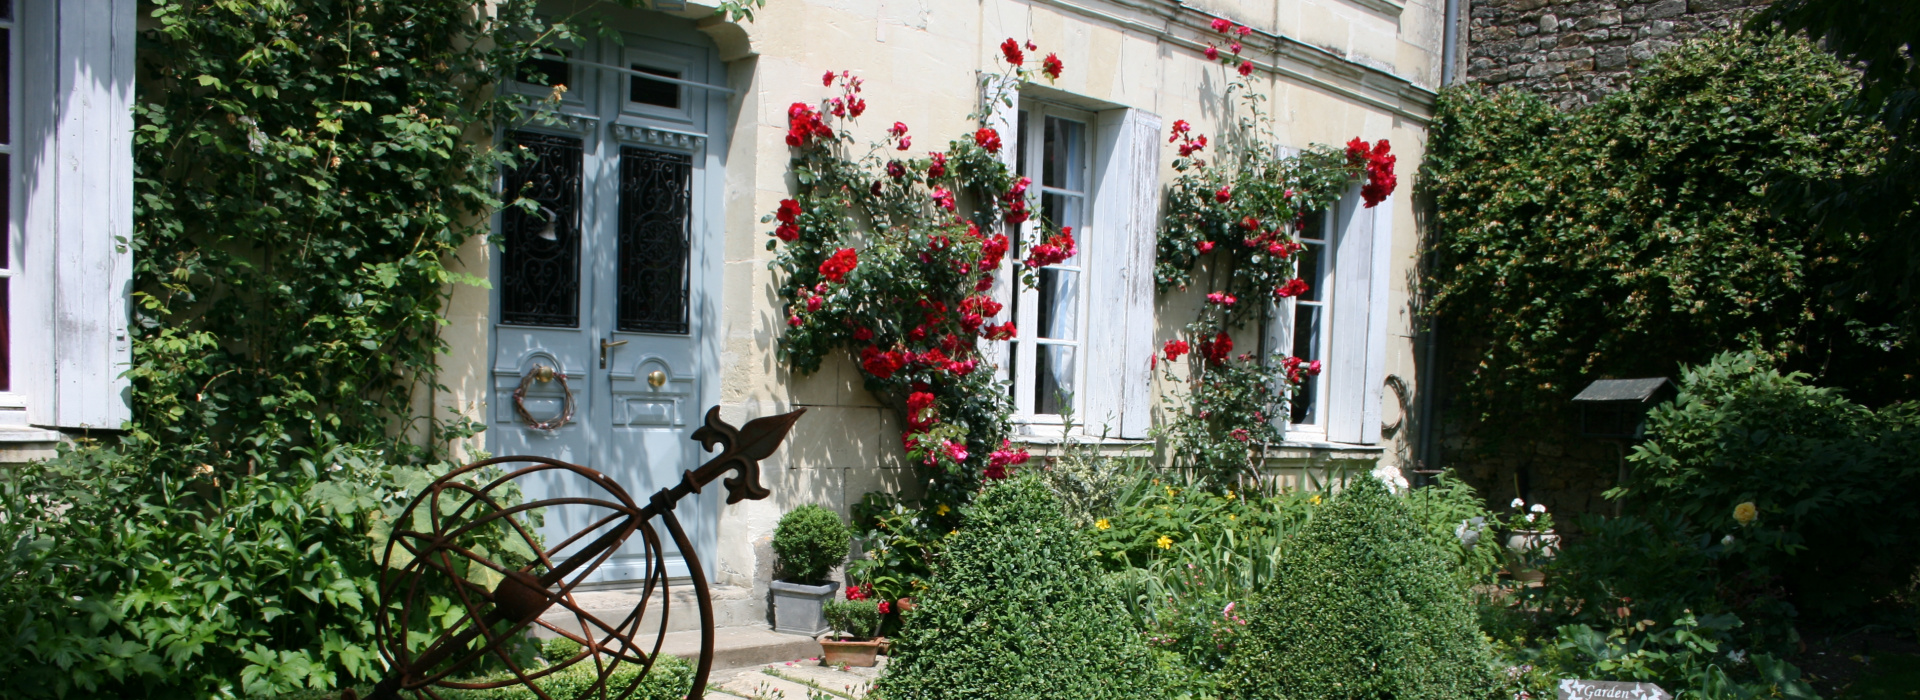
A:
1048	356
1340	321
1095	167
8	264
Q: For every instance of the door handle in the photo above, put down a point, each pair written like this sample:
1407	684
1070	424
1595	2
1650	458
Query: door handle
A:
608	343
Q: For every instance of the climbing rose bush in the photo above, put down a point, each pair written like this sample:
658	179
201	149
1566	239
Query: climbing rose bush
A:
1236	211
892	259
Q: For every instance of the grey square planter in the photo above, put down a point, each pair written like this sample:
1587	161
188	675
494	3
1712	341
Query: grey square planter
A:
797	607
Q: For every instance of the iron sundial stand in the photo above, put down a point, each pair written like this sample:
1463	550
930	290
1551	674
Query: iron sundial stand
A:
459	540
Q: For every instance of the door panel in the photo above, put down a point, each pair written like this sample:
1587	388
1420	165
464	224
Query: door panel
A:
648	202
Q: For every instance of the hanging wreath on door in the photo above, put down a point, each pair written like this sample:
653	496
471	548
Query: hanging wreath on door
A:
543	374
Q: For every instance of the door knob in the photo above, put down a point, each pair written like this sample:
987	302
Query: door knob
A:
657	378
608	343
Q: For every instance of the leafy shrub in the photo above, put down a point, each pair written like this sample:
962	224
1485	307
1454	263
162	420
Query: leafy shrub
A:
810	540
1619	239
1830	483
1017	610
1364	608
859	619
668	680
1692	654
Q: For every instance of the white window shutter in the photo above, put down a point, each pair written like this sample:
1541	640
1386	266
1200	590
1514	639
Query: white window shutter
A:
1377	312
1121	244
80	209
1349	360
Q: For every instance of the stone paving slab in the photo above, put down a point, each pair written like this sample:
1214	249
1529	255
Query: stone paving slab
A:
800	679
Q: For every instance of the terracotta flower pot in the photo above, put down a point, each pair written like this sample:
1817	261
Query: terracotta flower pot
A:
850	653
886	646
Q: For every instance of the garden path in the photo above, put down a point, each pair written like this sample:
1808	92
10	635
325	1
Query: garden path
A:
800	679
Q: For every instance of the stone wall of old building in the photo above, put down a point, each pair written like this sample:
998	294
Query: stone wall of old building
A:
1575	51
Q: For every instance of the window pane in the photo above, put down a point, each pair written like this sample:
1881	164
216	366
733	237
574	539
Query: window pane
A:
6	341
1308	268
1059	304
548	71
1065	153
1020	150
655	196
6	82
1307	328
540	256
6	9
655	92
1053	392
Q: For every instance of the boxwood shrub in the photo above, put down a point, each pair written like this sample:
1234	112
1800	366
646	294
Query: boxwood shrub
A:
810	540
1364	608
1017	610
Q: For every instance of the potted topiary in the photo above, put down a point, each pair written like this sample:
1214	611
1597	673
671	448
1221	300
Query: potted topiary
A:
854	623
810	541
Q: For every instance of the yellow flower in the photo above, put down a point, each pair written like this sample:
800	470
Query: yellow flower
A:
1230	517
1745	512
1102	524
1165	542
942	510
1316	499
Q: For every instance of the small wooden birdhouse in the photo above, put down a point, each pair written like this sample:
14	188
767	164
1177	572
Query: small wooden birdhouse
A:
1616	409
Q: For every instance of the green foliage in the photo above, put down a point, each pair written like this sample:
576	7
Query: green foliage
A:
667	680
1223	425
1622	238
1832	483
1631	568
303	175
900	544
810	540
1690	656
1017	609
1456	518
1364	608
859	619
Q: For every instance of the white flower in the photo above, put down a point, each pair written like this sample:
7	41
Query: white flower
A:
1531	516
1737	657
1517	503
1537	508
1726	541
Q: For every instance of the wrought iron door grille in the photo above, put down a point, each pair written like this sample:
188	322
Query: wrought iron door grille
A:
540	260
655	199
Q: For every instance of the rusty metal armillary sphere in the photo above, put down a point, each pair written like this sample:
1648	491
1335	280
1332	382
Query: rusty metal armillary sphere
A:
465	540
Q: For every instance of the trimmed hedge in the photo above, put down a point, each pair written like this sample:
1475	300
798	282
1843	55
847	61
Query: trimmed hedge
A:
1364	608
810	540
1017	610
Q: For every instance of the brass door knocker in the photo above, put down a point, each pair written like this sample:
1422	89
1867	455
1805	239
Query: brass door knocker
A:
543	374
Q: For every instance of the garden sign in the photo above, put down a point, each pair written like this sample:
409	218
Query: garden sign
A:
1611	690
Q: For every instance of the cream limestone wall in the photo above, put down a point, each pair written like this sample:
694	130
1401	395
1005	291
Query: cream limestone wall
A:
1335	69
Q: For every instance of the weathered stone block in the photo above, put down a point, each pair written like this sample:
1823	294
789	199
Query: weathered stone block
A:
1667	8
1549	23
1610	57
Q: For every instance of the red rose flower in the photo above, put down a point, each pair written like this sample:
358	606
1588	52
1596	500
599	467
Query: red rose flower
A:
1052	67
862	334
1205	246
1004	331
1221	25
789	211
787	232
1293	288
827	80
855	106
1243	31
843	261
880	364
1176	348
814	304
1246	68
919	417
1221	298
943	198
1217	349
939	166
1213	52
884	608
898	129
1010	50
988	139
1223	195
